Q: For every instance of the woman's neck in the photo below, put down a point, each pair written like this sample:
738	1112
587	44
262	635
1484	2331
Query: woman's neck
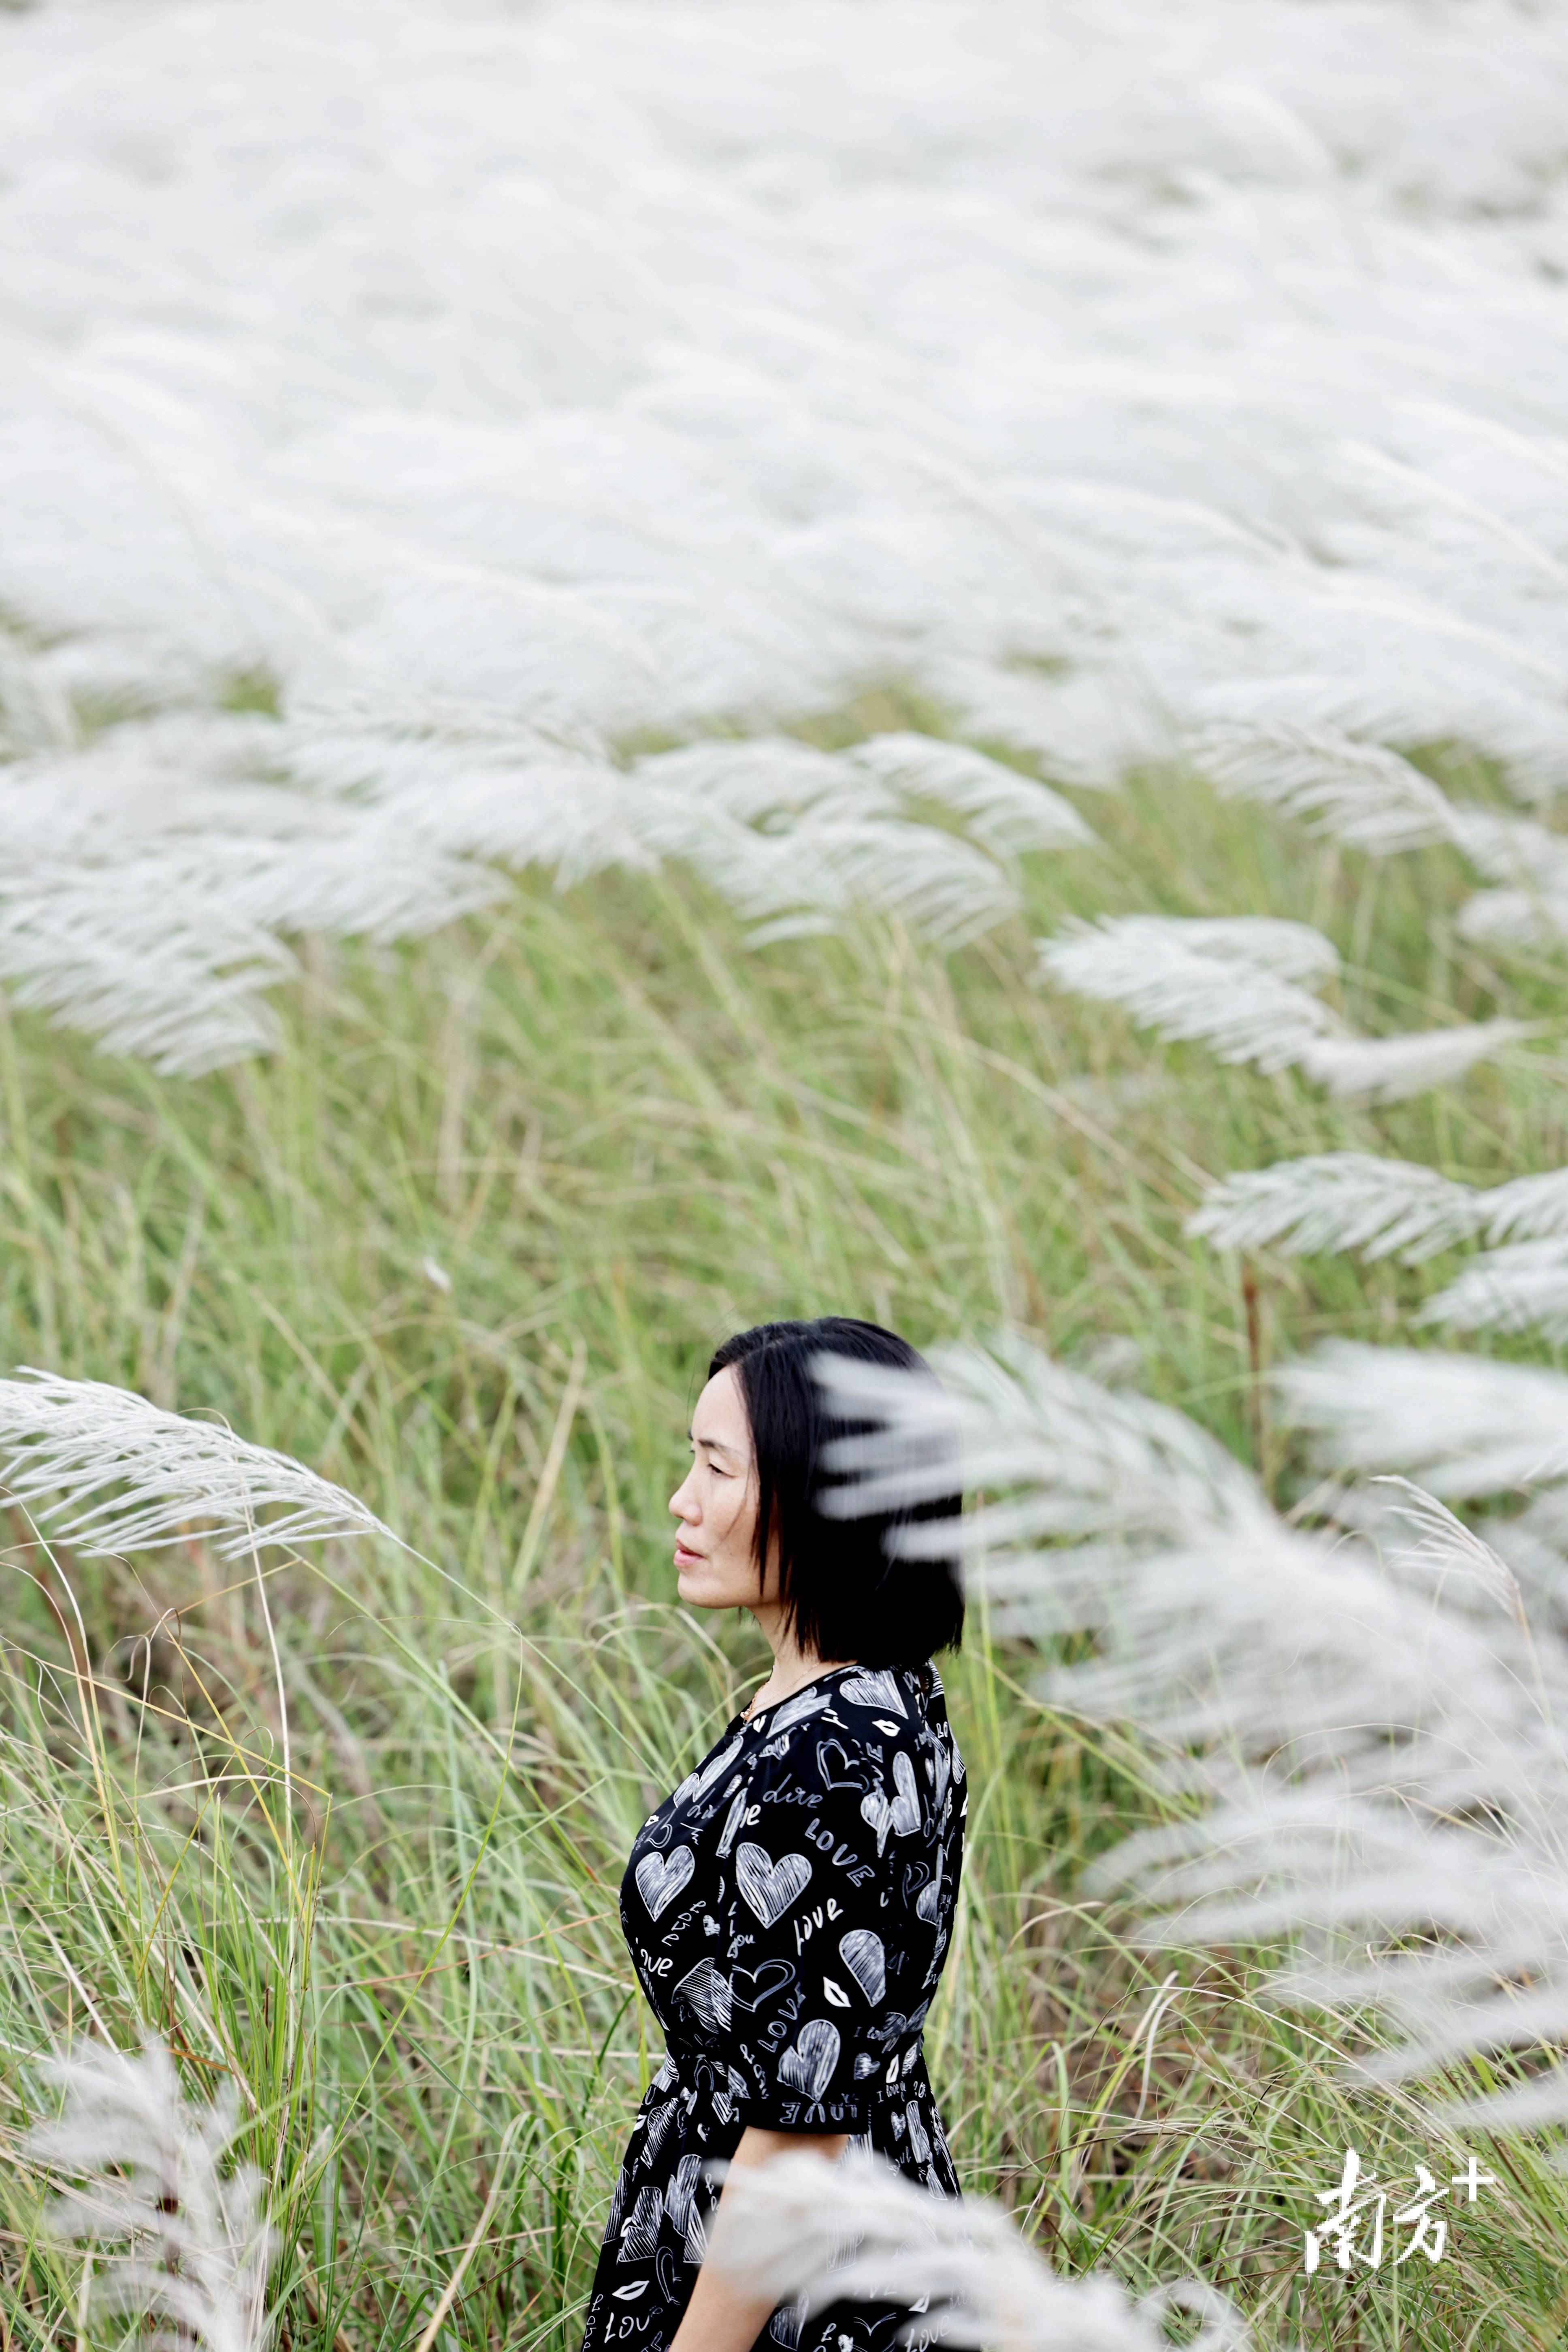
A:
793	1667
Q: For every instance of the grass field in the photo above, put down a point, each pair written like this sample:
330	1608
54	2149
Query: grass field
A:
464	1246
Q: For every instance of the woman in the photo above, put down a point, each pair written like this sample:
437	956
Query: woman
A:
788	1907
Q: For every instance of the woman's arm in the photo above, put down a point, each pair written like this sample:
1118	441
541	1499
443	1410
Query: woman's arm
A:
721	2316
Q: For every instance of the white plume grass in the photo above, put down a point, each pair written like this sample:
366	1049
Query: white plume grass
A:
1465	1427
177	2239
1360	792
812	2233
1383	1208
1371	797
1340	1200
1523	1287
63	1443
1388	1069
152	881
666	438
794	839
1445	1546
1371	1724
1006	812
1232	982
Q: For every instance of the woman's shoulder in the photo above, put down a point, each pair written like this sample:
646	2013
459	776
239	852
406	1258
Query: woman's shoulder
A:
905	1704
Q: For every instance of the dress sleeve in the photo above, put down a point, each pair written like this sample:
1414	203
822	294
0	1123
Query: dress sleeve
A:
820	1844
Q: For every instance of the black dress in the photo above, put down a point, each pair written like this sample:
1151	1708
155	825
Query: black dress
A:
787	1910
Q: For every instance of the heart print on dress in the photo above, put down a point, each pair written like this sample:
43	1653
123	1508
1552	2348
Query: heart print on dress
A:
838	1768
809	2066
698	1783
639	2231
862	1954
796	1710
769	1886
878	1689
928	1902
750	1988
902	1810
708	1994
661	1880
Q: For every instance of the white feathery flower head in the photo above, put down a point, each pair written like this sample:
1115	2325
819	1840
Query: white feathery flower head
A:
1536	917
1529	862
63	1441
1003	810
1229	981
181	2241
1529	1208
1446	1547
1360	792
1232	982
1387	1069
815	2232
1518	850
1464	1426
1520	1287
796	838
1340	1200
1397	1208
1094	1460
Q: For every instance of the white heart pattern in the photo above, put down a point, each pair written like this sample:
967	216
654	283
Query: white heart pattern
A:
809	2066
770	1886
796	1710
660	1878
862	1954
708	1995
678	2196
920	2147
698	1783
878	1689
639	2231
928	1902
715	1769
786	2325
901	1812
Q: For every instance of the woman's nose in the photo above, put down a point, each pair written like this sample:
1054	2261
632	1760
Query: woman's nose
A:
682	1505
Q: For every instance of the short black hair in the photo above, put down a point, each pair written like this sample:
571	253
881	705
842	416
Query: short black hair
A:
845	1595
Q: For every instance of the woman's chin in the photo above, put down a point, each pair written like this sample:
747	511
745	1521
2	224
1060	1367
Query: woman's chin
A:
697	1591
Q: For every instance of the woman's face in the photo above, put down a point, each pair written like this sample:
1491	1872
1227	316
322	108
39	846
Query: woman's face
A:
716	1503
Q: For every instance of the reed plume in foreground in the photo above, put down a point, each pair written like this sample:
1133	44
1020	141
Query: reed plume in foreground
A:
857	2230
1368	1722
181	2242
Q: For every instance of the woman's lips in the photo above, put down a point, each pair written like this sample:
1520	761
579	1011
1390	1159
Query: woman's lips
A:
684	1557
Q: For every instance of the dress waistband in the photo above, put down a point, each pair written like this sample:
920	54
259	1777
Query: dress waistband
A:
694	2068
